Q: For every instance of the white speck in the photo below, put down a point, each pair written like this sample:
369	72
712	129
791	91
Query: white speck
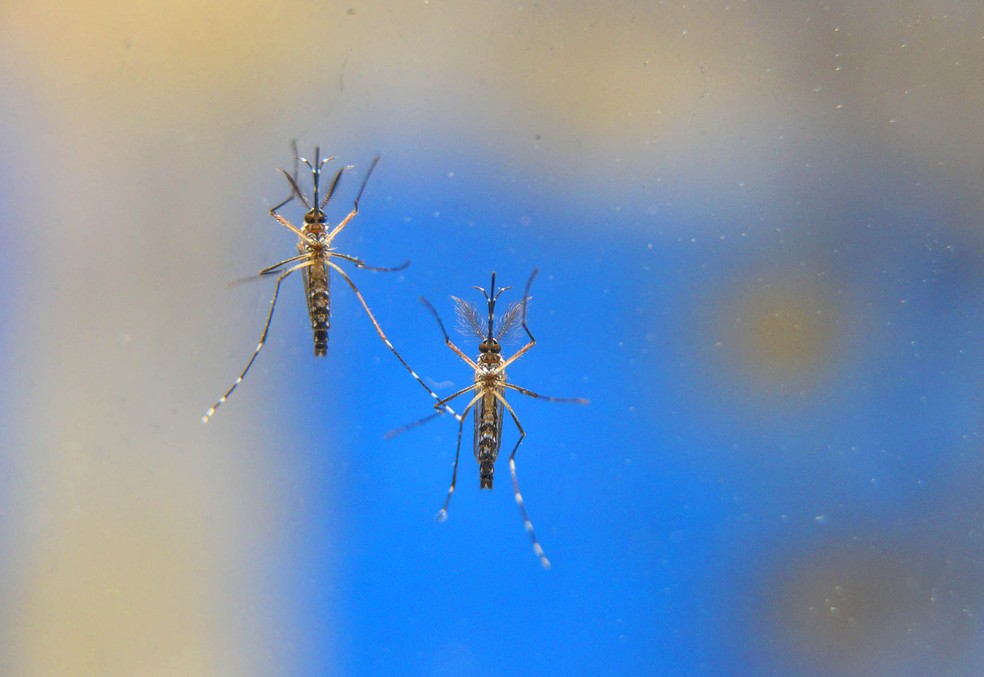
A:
820	519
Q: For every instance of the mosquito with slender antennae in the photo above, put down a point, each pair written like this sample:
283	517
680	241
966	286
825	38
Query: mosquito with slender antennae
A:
315	259
489	388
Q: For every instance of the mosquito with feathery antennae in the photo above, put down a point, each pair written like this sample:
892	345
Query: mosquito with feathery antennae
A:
315	254
489	388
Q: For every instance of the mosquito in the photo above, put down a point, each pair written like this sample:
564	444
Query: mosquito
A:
488	391
316	259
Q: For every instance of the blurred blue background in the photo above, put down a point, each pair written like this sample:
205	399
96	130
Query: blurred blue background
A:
761	258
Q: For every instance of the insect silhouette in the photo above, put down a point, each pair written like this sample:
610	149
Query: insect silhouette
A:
488	390
315	259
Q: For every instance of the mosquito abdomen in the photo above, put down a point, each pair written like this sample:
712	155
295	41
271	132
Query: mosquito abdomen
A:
319	307
488	437
486	470
320	320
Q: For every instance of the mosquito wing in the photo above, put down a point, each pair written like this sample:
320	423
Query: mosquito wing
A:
470	323
509	321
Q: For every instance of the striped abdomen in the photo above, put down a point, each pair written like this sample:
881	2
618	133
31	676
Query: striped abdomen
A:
319	305
488	436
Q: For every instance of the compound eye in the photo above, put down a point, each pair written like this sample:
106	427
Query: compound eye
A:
496	348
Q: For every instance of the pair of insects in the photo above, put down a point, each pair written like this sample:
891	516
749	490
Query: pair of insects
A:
316	258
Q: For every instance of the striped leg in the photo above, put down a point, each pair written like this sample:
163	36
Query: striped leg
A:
382	337
447	339
442	514
439	405
530	393
359	263
527	524
266	328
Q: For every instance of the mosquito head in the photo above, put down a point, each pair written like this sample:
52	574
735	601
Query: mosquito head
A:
315	217
489	346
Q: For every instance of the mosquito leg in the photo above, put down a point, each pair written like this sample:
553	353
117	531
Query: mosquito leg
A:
275	268
295	190
444	400
515	356
292	179
359	263
410	426
530	393
527	524
519	353
395	269
281	204
526	297
442	514
344	222
297	156
372	166
382	336
266	328
355	208
439	405
288	225
447	339
426	419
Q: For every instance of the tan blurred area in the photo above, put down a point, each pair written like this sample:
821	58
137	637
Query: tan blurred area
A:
134	530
